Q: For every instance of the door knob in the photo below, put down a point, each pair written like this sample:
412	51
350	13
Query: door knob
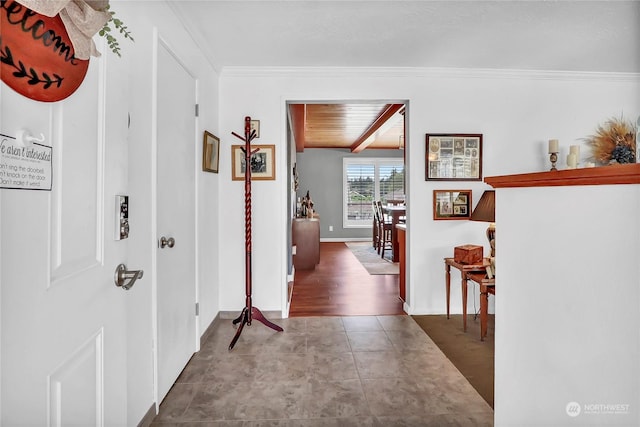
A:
170	242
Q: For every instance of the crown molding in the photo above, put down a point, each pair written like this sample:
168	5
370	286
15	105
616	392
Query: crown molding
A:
427	72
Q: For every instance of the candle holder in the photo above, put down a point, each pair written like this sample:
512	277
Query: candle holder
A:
553	157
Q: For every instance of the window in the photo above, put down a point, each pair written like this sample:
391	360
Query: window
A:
366	180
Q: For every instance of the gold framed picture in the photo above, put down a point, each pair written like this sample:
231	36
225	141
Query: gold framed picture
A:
263	162
210	152
451	204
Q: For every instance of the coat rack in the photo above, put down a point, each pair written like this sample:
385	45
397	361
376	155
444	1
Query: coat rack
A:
249	312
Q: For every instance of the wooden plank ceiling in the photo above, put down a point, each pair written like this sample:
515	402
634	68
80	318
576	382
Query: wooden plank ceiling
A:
353	126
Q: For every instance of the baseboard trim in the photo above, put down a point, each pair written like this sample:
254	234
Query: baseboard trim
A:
148	417
407	308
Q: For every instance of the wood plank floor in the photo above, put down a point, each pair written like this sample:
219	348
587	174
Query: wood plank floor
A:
340	286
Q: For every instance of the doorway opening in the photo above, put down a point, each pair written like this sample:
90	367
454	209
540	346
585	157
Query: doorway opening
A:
342	156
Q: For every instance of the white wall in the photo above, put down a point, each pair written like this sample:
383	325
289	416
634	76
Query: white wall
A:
567	305
517	112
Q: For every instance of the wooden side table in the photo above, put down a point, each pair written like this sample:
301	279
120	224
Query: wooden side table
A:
464	269
487	286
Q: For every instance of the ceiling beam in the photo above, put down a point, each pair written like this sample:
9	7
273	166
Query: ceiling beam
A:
364	141
298	114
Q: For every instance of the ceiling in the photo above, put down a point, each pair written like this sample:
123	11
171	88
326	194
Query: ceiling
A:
533	35
562	35
356	126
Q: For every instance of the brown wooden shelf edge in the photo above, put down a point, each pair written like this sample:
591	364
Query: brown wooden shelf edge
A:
603	175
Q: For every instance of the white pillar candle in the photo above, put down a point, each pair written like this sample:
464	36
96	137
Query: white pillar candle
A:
553	146
575	149
572	160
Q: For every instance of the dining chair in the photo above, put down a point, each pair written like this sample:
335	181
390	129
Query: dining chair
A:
385	230
374	236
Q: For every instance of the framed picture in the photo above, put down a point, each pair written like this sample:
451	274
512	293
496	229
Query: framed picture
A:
263	162
255	125
210	152
454	157
451	204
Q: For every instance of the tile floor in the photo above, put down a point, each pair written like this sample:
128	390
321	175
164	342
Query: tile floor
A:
323	371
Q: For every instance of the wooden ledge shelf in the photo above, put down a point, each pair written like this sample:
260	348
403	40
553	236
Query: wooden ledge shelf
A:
602	175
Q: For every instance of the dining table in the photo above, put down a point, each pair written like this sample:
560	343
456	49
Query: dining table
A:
395	212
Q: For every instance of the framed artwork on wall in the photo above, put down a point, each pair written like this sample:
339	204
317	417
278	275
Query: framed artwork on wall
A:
451	204
263	162
210	152
453	157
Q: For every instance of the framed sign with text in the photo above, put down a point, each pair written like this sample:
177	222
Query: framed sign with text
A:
25	167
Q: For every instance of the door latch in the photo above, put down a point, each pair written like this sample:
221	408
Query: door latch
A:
124	278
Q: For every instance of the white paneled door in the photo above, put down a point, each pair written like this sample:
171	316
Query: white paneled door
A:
63	349
175	212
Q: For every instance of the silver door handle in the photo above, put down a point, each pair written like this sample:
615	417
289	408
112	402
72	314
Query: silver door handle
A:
170	242
124	278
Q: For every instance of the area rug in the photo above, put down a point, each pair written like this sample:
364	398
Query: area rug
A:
371	260
473	358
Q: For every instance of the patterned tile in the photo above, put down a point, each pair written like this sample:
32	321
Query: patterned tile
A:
335	399
369	341
324	324
361	323
328	342
369	371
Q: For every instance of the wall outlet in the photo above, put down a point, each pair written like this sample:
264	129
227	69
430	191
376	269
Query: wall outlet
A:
331	228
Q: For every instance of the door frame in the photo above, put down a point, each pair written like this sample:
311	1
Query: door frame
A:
288	269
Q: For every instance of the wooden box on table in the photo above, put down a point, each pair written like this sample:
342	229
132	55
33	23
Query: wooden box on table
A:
468	254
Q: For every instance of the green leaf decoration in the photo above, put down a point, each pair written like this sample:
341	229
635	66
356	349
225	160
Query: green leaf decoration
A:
119	25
